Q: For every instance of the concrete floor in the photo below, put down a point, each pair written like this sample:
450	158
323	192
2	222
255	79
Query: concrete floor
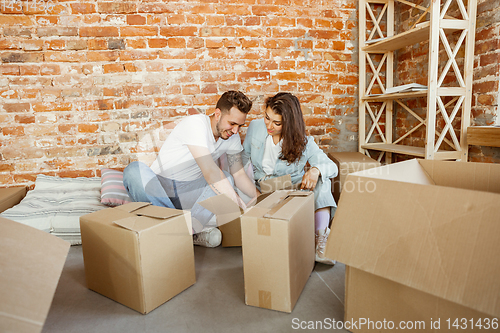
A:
216	303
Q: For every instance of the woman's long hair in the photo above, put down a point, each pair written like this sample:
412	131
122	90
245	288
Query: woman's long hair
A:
293	131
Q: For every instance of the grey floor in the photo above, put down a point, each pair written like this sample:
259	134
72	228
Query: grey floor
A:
216	303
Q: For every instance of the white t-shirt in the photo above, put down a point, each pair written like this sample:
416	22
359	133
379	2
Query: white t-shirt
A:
175	161
271	153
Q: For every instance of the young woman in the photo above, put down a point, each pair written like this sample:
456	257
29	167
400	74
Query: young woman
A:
277	145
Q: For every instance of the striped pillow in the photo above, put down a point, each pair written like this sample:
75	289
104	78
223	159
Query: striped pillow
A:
113	193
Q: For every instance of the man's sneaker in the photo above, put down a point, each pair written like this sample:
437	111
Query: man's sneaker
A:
210	237
321	237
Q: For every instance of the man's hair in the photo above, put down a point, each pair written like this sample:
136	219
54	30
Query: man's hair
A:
234	98
293	131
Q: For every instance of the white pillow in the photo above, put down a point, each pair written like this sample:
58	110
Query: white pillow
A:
44	182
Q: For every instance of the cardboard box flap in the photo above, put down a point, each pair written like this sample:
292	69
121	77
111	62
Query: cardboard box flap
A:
275	184
221	204
440	240
137	223
131	206
287	207
31	262
471	176
158	212
408	171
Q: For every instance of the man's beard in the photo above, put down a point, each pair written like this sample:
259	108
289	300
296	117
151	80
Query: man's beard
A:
219	132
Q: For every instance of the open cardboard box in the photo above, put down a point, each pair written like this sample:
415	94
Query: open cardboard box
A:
138	254
420	240
31	262
228	212
278	249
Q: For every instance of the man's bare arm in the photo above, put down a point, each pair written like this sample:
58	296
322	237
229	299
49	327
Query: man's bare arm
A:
241	179
213	174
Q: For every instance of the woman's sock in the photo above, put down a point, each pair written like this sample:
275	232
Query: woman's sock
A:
321	219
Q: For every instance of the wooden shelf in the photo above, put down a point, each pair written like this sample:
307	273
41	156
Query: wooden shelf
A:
483	136
412	151
383	97
394	148
410	37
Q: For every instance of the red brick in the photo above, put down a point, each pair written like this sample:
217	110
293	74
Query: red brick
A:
178	31
88	128
156	7
323	34
55	45
180	19
52	106
99	32
13	130
138	55
97	44
57	31
113	68
136	43
485	87
8	94
254	76
22	119
32	45
117	7
11	7
278	43
46	20
102	56
9	57
67	56
29	69
289	76
177	42
195	42
267	10
82	8
157	42
16	107
138	31
136	20
9	69
234	9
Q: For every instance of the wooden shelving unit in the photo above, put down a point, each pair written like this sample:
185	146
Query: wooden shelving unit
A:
438	23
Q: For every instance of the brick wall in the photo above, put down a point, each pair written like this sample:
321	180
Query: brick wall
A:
413	62
92	84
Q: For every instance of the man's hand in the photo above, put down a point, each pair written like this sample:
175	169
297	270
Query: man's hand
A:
310	179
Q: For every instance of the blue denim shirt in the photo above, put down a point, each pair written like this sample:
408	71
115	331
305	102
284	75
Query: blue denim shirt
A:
255	143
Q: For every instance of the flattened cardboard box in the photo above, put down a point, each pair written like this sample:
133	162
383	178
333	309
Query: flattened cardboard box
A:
348	162
424	235
138	254
278	249
31	262
11	196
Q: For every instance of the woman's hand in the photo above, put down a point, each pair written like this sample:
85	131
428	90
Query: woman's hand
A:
310	179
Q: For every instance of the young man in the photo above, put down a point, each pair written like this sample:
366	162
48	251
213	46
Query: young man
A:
186	169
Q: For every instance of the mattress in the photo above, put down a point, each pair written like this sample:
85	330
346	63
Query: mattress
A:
56	204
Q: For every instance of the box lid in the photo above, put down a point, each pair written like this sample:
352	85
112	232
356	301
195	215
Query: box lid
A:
147	216
220	205
31	262
441	240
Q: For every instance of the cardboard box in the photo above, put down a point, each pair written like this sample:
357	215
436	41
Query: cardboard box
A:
31	262
420	239
348	162
228	212
228	218
138	254
11	196
278	249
